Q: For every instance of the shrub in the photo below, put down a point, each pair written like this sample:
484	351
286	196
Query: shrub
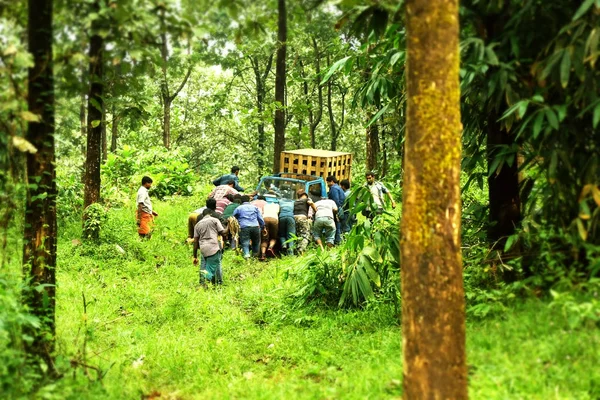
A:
169	170
93	218
366	265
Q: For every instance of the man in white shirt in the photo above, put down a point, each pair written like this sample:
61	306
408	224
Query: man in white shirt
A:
377	190
145	215
324	225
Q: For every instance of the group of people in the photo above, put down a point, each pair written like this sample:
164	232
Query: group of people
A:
260	225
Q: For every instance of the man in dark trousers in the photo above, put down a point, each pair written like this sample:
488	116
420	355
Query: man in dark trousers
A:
233	176
336	193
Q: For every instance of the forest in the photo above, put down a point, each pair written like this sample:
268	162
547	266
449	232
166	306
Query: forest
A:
473	272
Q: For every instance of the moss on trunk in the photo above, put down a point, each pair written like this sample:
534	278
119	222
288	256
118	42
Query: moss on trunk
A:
433	317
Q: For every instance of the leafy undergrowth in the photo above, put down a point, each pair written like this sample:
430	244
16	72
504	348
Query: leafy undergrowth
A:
151	332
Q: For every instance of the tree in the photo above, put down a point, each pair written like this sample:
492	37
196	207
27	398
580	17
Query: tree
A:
39	249
167	96
95	116
260	80
315	119
433	310
335	128
372	144
280	67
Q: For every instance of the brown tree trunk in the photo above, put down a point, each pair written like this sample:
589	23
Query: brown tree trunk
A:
280	67
260	81
103	135
433	309
167	122
503	188
372	144
332	125
82	119
39	248
94	125
384	151
314	122
114	130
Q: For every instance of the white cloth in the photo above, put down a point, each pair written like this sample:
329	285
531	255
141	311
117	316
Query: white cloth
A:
325	208
144	198
271	210
377	191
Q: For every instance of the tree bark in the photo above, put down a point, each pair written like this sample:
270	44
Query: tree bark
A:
103	135
39	249
114	129
332	126
314	122
167	123
503	188
94	124
82	118
280	68
433	310
384	151
260	79
372	144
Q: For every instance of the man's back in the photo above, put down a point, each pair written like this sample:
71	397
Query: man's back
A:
248	215
325	208
337	194
207	231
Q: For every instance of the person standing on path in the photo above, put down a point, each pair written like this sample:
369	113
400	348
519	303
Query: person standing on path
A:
233	176
251	224
144	214
377	190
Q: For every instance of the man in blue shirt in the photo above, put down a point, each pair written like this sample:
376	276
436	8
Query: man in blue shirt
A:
287	225
336	193
224	179
251	223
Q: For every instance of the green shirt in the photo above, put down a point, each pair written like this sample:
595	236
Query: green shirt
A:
228	212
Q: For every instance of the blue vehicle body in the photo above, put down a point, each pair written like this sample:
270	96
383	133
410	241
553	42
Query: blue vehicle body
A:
285	185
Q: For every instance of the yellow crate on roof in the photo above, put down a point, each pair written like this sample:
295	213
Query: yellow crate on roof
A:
317	162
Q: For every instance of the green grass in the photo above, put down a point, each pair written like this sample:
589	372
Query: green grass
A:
153	332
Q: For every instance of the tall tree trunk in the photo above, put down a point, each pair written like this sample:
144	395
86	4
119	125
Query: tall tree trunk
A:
94	136
503	188
165	92
167	123
372	144
314	122
103	134
260	93
384	151
332	125
280	67
260	78
298	141
82	118
164	87
114	129
433	309
39	248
